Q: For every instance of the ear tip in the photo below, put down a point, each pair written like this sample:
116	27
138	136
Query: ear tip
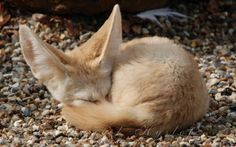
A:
116	7
25	34
22	27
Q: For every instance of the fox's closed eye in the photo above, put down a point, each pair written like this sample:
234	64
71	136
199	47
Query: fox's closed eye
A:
82	95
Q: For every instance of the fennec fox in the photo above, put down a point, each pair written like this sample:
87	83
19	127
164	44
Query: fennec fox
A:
148	83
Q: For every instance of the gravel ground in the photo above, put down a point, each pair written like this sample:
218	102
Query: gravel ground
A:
29	117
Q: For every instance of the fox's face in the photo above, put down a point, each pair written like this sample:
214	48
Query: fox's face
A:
79	83
83	74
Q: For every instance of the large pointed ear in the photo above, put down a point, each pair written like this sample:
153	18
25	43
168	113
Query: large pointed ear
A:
44	60
104	44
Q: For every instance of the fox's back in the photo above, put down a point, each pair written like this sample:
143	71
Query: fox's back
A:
157	75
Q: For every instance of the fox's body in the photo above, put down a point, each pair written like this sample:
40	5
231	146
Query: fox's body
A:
155	84
149	83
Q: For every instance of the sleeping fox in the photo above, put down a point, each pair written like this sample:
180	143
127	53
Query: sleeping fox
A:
149	83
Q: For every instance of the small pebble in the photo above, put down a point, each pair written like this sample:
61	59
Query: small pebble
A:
145	31
232	116
26	111
184	144
85	36
45	112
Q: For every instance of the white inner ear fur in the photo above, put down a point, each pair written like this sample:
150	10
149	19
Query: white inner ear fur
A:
41	60
113	39
114	36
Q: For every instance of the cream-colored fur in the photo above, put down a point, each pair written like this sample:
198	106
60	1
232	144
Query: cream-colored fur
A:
148	83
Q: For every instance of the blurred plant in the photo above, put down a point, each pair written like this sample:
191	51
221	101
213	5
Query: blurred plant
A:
163	12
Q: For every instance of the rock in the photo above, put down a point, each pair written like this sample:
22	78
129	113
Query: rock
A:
62	36
86	145
212	82
6	107
104	140
206	144
145	31
17	123
62	44
86	7
2	141
136	29
151	142
35	127
203	137
85	37
124	143
212	91
16	59
69	144
231	138
105	145
233	107
95	136
45	112
223	108
184	144
231	31
1	77
231	116
38	16
26	111
15	85
16	141
172	32
60	105
30	142
218	97
227	91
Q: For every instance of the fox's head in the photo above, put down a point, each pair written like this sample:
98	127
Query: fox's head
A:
81	74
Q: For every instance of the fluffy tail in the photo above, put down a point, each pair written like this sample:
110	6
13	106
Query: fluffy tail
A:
100	116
